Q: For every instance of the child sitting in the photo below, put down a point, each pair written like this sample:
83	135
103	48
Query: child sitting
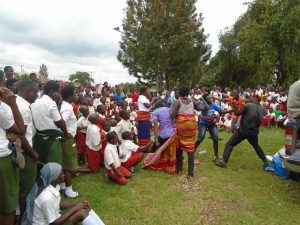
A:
112	162
93	142
130	152
106	128
124	124
82	125
227	123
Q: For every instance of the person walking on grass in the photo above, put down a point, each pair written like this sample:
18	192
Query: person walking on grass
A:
251	116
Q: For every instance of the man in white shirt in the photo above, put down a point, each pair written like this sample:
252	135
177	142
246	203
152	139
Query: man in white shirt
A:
10	121
69	155
27	94
49	124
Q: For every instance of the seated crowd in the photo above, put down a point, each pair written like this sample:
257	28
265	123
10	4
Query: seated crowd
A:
62	131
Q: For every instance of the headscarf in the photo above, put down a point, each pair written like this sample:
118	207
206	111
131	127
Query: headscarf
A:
49	173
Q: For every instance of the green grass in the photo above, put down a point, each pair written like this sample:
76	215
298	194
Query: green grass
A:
240	194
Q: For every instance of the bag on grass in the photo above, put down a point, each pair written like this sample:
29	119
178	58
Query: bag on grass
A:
279	169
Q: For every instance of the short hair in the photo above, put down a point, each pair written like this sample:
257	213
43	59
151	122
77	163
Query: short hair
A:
143	89
26	85
106	123
51	85
10	81
99	107
67	91
32	74
123	113
184	91
126	135
110	136
6	68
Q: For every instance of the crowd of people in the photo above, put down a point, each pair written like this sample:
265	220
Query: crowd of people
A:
60	131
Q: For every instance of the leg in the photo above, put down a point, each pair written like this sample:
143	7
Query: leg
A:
201	135
253	140
191	163
116	177
236	138
179	161
135	158
214	136
79	216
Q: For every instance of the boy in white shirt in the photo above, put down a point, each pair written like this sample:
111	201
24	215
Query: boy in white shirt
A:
124	124
112	162
130	153
69	156
93	142
227	123
82	125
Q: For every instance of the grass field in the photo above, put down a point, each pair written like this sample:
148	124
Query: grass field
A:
240	194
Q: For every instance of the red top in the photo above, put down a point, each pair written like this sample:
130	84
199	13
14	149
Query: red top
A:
75	108
134	96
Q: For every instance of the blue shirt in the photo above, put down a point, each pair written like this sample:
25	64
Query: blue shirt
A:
166	125
118	98
213	108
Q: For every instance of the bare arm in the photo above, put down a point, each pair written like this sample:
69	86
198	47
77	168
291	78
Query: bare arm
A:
174	110
62	125
27	148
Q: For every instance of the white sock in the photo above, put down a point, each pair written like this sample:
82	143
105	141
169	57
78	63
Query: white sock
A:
62	186
70	193
17	213
89	221
96	217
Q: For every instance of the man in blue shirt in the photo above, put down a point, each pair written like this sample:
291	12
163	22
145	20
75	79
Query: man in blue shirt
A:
207	121
118	97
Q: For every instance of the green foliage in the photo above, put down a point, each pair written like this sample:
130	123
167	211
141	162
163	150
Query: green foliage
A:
265	38
81	77
43	70
163	42
22	76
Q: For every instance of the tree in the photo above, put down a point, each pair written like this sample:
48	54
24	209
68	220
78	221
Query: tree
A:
81	77
163	42
43	70
264	39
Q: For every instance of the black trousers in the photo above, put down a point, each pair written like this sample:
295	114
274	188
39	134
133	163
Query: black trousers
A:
161	142
191	156
238	137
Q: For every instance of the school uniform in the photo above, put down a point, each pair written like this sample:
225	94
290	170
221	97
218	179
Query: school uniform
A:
122	126
111	156
69	156
93	142
28	174
9	175
132	155
47	140
81	134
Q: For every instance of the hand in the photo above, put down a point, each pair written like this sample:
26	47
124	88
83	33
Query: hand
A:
157	142
122	156
82	205
119	173
68	135
8	96
35	156
11	137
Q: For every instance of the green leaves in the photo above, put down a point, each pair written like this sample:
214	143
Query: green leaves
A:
265	38
81	77
163	41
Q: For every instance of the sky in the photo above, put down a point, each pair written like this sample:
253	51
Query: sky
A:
70	36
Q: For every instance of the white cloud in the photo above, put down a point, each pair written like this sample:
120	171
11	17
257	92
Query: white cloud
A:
78	35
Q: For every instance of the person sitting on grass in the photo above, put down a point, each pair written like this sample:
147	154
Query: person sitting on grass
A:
44	202
112	162
124	124
130	152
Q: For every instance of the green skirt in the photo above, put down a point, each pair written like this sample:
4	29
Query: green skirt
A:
69	154
9	185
